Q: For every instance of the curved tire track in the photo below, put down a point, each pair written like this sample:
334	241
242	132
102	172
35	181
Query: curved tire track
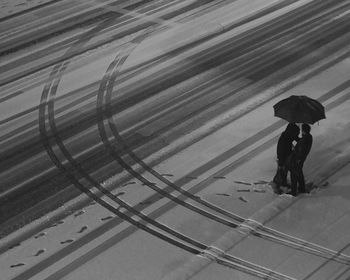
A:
47	98
47	139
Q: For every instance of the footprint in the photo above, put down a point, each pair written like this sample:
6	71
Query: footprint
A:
83	229
223	194
106	218
243	190
81	212
67	241
260	182
242	199
39	252
119	194
92	203
219	177
14	245
40	235
167	175
241	182
145	202
259	191
56	224
18	264
53	225
129	183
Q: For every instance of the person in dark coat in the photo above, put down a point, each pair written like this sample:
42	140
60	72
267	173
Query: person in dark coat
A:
301	151
284	149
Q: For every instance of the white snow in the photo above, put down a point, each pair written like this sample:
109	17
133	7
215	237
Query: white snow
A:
322	217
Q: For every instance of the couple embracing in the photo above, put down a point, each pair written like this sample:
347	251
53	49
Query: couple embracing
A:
291	157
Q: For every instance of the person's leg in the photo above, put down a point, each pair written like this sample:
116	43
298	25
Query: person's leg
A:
284	172
301	179
277	179
294	181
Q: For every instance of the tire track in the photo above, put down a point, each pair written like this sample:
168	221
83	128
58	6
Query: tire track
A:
47	104
227	260
48	98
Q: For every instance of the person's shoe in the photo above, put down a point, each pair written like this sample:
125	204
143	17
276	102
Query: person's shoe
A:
279	191
304	191
292	193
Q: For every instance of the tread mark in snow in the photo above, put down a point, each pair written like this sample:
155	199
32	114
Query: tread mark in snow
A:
39	252
106	218
40	235
224	194
81	212
83	229
18	264
119	194
243	183
67	241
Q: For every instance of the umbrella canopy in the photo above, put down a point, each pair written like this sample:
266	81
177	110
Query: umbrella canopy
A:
299	109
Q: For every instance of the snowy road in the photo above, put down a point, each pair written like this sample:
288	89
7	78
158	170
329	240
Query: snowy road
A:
170	114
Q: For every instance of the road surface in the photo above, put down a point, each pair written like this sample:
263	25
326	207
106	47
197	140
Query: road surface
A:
132	104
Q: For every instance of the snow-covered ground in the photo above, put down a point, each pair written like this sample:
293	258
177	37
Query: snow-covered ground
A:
238	185
87	244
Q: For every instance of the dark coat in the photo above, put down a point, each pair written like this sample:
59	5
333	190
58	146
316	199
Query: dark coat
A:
303	147
284	147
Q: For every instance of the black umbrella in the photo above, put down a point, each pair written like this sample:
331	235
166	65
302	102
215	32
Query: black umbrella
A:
299	109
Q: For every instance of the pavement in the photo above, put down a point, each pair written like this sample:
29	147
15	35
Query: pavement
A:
248	231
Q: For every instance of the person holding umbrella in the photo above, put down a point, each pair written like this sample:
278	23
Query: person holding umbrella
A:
305	110
301	151
284	150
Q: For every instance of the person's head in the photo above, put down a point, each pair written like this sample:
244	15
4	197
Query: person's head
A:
292	129
305	128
